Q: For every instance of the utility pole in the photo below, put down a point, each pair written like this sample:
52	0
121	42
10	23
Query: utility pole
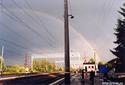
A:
66	40
2	52
95	61
1	64
26	60
31	63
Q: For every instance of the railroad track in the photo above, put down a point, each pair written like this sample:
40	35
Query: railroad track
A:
33	79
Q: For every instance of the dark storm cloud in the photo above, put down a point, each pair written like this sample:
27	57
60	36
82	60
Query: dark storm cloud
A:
94	19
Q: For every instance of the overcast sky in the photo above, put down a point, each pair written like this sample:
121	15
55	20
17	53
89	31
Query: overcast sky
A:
30	26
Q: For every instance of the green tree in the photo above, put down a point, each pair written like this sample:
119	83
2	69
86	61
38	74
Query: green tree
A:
119	51
3	67
43	66
15	69
101	63
92	60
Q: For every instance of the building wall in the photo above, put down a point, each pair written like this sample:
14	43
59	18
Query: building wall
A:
58	58
90	67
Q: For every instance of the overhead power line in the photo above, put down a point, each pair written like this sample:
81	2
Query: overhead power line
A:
13	43
51	37
14	17
41	21
11	30
70	6
12	52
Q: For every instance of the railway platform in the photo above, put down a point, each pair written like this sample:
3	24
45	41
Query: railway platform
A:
77	80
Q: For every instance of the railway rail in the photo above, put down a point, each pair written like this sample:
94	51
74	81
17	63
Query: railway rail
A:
30	79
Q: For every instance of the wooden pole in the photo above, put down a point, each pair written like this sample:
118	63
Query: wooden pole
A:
67	49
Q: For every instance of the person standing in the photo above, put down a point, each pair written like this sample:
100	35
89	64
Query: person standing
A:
92	75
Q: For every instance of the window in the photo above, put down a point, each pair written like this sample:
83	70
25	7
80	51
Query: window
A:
92	66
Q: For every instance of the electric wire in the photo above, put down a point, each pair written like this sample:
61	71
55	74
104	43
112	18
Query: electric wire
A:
13	43
11	52
107	11
14	17
70	7
99	18
11	30
41	21
34	20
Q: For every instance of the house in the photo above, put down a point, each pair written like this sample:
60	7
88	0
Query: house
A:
88	67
